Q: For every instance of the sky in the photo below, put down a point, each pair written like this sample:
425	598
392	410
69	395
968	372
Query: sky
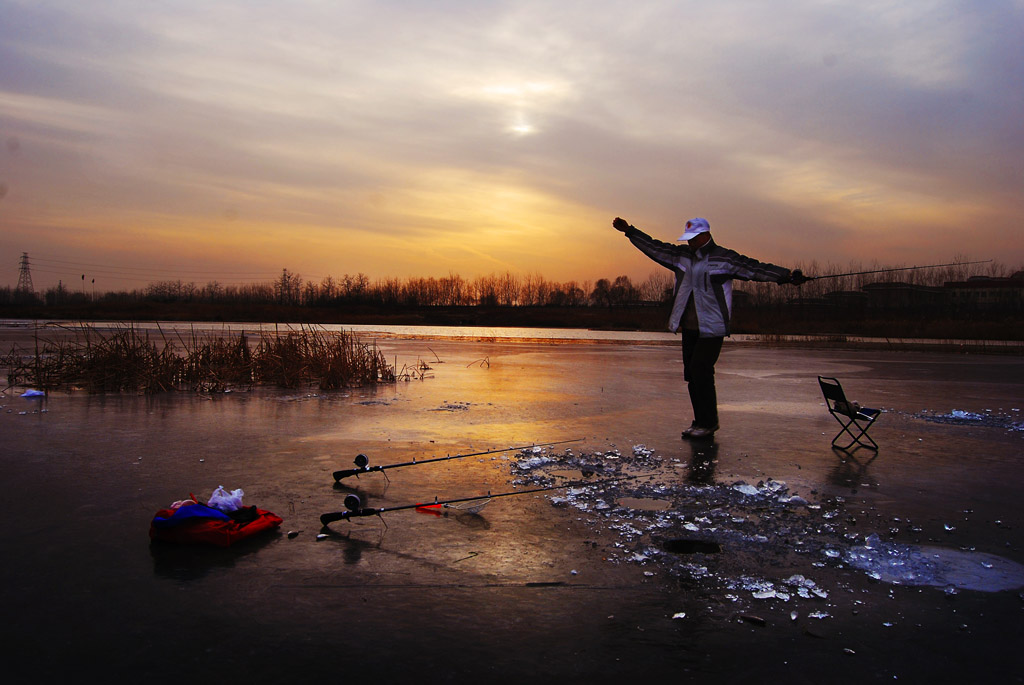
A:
226	140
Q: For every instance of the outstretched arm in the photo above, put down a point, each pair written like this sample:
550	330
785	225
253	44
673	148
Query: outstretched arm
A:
665	254
745	268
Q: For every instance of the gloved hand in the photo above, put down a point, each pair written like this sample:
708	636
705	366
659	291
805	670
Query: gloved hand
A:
620	224
796	277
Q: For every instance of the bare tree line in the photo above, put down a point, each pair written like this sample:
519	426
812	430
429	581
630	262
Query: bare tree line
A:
500	290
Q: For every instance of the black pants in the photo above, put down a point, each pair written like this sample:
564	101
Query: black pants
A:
699	358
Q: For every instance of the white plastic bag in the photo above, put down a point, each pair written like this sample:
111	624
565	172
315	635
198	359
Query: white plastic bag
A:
226	501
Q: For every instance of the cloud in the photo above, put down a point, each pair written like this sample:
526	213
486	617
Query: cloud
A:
391	132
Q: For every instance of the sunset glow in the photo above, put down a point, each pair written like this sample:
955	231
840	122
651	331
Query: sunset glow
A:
427	138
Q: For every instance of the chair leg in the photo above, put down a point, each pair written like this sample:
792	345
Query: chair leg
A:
839	434
862	433
872	446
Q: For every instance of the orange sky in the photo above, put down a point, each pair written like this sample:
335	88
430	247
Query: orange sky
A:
225	141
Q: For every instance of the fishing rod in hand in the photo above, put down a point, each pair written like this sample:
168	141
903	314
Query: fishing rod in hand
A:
355	508
362	461
902	268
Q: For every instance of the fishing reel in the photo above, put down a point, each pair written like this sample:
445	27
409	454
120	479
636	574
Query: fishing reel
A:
354	507
362	463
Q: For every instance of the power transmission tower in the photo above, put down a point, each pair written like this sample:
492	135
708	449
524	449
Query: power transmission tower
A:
25	277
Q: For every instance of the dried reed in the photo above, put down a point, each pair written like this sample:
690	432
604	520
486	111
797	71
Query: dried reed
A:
125	359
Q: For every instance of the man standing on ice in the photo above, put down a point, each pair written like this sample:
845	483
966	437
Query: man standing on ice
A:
703	305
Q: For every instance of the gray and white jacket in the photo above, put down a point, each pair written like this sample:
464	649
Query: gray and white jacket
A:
707	275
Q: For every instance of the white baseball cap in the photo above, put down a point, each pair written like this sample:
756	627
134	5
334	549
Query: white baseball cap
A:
695	227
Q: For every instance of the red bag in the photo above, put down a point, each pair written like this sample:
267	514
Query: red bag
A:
200	524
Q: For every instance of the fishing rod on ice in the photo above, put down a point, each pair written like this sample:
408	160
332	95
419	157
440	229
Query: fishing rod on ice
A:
902	268
355	506
362	461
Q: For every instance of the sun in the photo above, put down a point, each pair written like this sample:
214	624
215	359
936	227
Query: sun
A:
521	127
521	102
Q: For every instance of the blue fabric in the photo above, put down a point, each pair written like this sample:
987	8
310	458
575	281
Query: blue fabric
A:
189	513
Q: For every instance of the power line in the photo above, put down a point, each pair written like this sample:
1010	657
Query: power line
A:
75	274
79	266
74	270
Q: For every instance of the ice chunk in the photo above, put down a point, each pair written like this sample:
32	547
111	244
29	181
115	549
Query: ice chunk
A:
533	462
800	581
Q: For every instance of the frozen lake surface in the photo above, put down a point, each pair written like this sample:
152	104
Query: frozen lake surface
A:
766	543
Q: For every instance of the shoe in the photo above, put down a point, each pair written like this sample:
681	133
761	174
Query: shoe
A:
701	432
688	431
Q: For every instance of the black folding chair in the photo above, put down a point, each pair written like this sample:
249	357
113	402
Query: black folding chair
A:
854	419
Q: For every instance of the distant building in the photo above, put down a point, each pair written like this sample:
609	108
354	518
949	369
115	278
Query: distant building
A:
811	307
899	295
850	300
987	293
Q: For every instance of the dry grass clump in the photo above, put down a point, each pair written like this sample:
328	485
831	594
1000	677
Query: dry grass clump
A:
331	360
123	360
215	364
126	359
